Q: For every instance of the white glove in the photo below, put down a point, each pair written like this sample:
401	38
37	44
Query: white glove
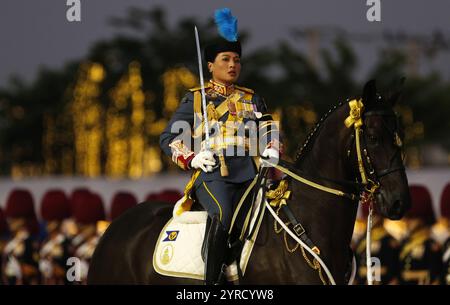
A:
270	153
204	160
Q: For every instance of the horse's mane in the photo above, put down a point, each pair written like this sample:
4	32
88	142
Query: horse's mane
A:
313	133
303	147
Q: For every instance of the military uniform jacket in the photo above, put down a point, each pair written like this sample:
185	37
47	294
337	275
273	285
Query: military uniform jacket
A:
56	249
386	249
21	249
420	259
240	167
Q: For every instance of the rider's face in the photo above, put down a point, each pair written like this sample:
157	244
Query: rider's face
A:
226	68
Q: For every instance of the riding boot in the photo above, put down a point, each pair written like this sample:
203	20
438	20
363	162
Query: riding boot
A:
216	250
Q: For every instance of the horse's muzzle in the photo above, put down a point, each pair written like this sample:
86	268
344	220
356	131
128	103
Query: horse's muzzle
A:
397	210
394	208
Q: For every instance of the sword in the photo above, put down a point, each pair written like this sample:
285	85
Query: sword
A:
200	67
224	171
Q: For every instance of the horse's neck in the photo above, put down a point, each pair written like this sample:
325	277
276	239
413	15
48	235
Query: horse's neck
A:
327	152
329	218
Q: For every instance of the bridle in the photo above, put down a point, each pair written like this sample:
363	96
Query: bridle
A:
396	140
369	177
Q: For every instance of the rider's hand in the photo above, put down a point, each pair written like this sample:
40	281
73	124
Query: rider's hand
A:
204	160
272	154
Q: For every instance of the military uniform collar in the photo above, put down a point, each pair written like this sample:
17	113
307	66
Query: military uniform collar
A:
221	89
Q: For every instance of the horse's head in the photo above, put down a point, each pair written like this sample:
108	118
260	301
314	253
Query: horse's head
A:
381	153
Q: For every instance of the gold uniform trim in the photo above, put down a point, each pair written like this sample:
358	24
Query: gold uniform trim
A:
417	239
218	144
215	200
207	85
178	149
362	271
240	93
421	276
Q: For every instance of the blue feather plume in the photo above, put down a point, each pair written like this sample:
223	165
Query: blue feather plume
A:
226	24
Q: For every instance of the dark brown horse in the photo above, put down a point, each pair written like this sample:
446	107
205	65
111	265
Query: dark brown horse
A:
124	253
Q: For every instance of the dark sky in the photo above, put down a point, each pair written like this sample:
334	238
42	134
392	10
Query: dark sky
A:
35	33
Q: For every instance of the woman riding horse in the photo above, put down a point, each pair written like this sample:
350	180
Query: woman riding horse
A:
231	110
354	149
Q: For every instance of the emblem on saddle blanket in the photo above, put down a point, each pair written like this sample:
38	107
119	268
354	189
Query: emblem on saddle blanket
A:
171	236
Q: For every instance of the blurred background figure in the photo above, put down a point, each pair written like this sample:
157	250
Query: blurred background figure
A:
4	235
121	202
166	195
54	251
383	246
441	234
20	254
169	195
87	214
69	225
420	255
152	197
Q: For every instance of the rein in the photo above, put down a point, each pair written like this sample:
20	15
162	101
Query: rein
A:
288	169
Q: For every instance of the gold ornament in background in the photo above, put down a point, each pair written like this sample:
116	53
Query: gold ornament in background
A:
176	81
123	134
87	116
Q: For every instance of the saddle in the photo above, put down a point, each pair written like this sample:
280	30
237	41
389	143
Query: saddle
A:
180	247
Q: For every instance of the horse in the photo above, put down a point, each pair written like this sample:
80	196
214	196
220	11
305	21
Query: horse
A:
329	158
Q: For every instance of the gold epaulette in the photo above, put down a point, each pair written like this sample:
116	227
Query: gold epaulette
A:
208	85
244	89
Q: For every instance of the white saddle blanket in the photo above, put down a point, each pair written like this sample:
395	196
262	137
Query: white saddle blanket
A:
178	249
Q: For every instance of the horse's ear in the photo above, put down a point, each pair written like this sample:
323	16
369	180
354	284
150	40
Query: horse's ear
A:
394	97
369	92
